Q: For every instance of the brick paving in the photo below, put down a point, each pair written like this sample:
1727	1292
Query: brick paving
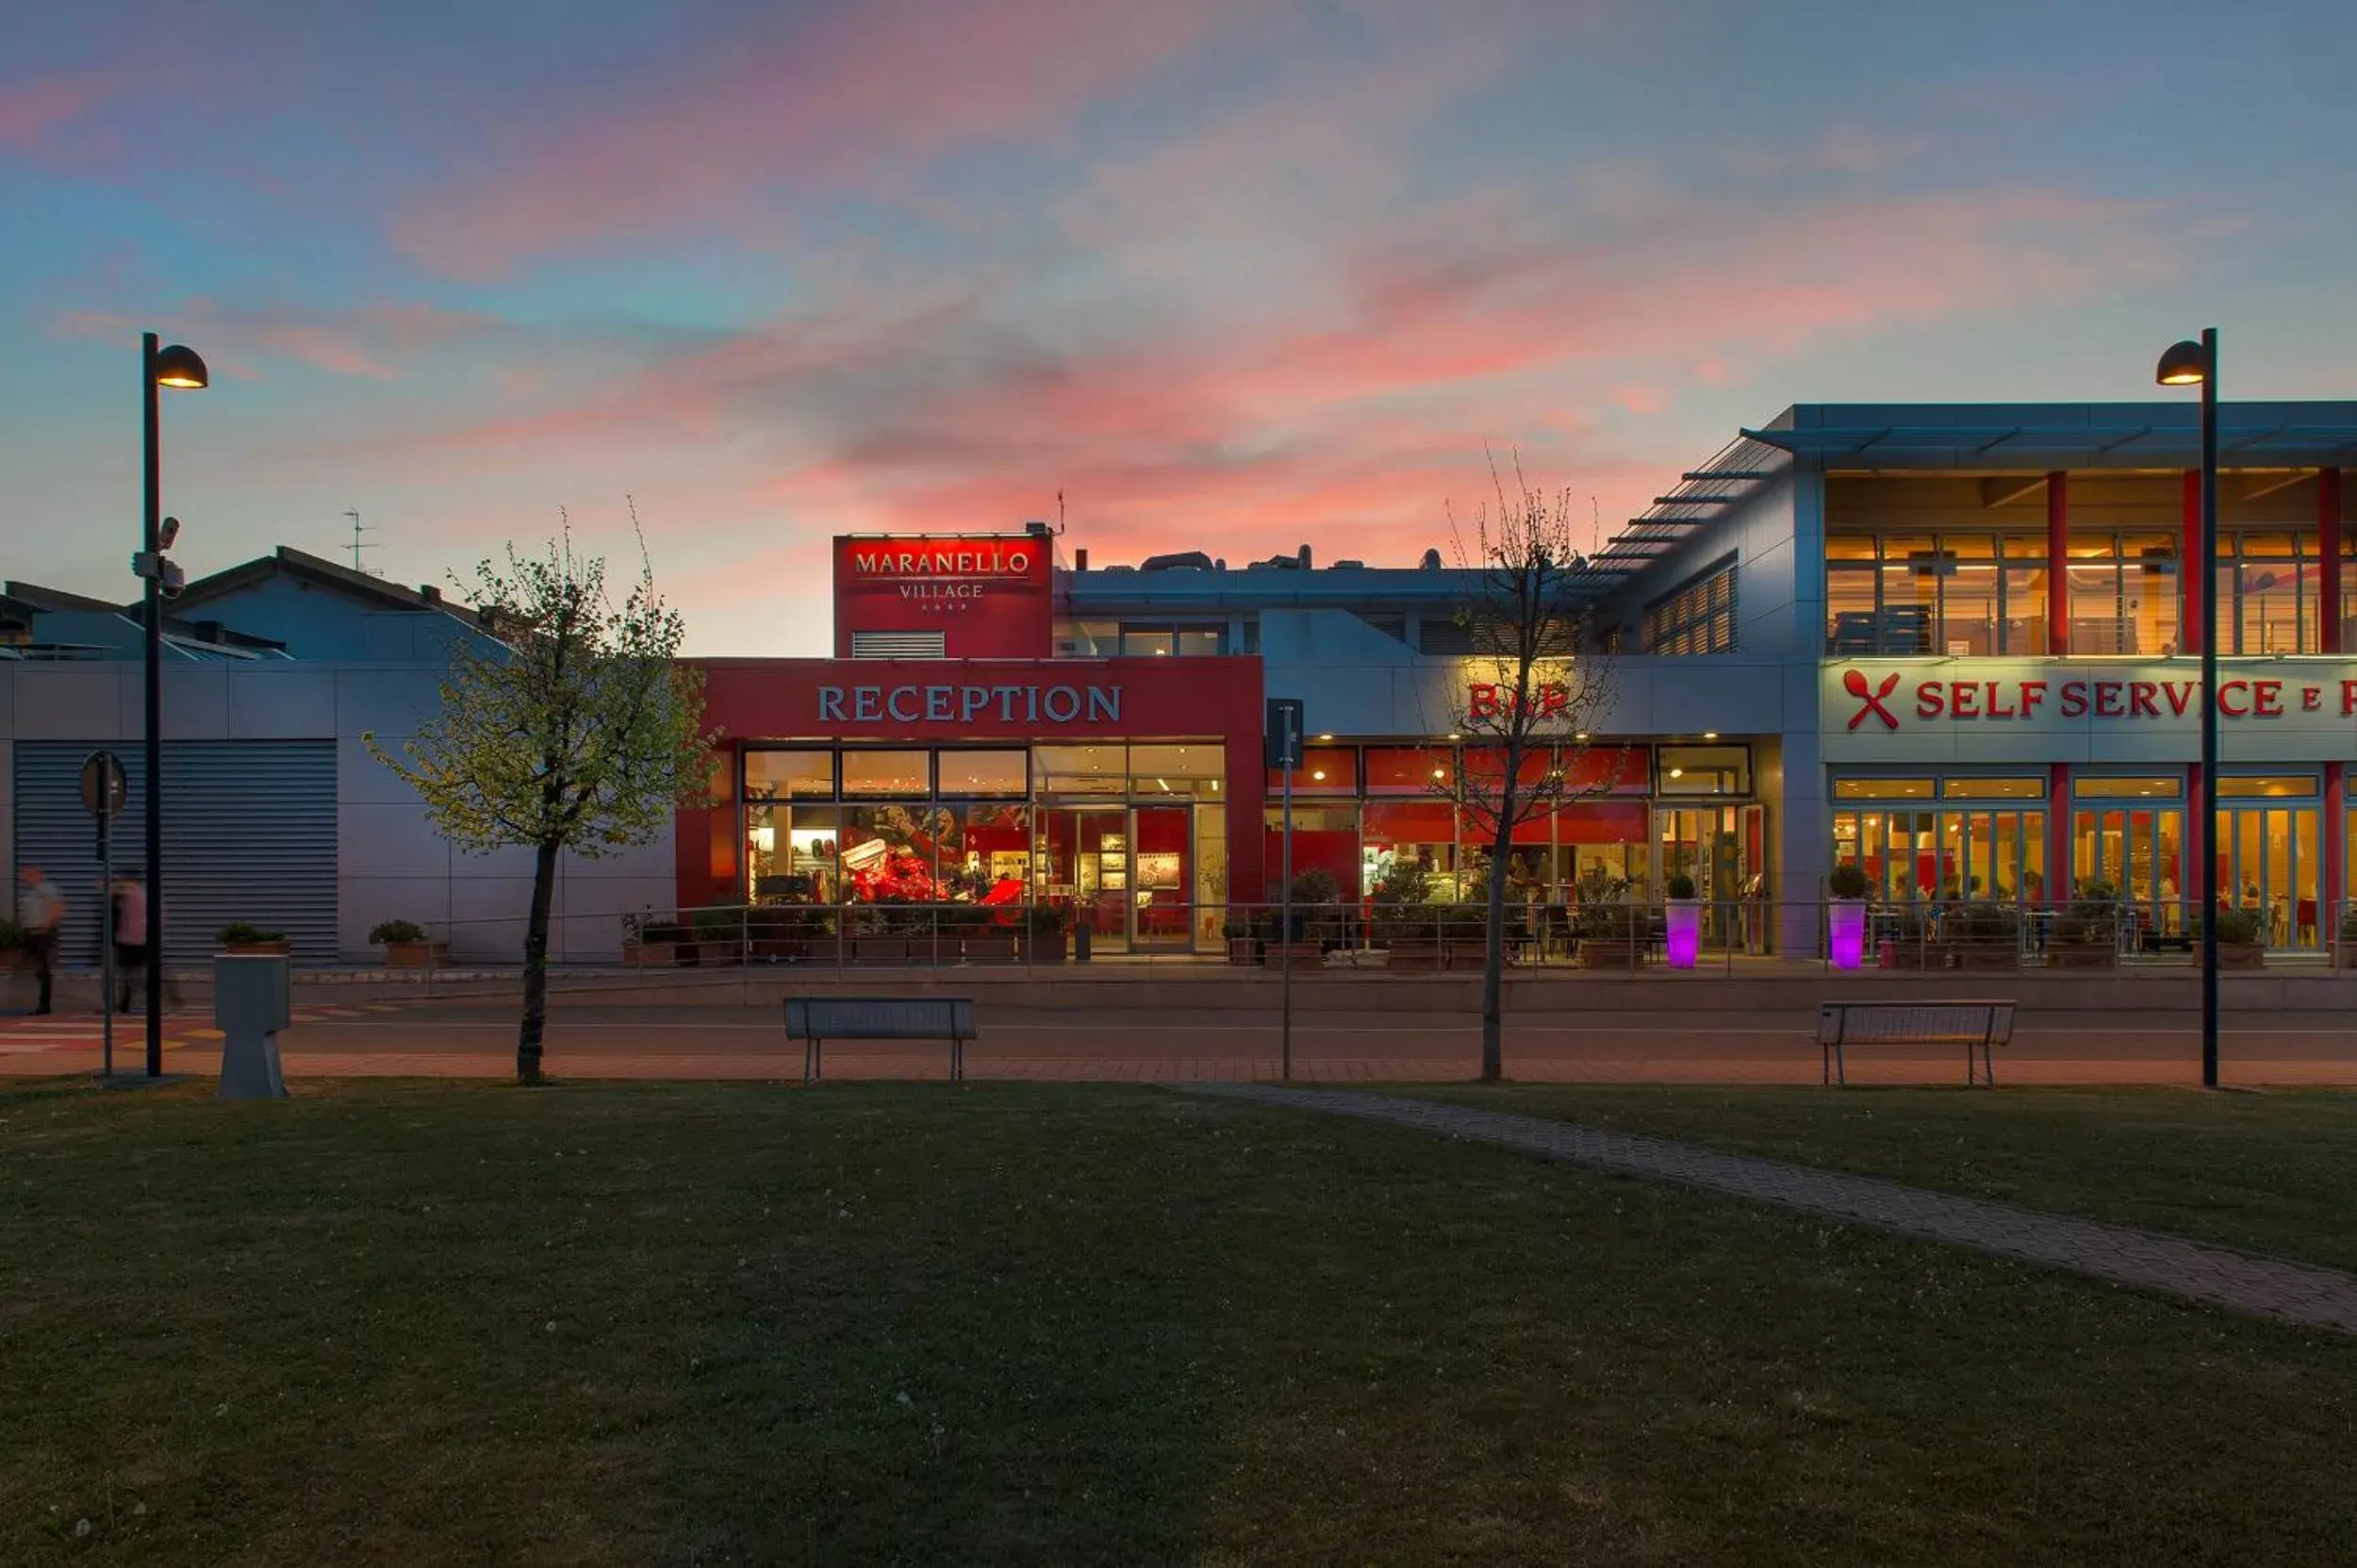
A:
2261	1286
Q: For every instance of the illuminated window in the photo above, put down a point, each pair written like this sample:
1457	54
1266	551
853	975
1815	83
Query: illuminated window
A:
789	775
1882	790
1993	789
1697	617
2128	788
887	772
984	773
2278	787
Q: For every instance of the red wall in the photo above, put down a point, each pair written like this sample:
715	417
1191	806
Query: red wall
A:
991	596
941	701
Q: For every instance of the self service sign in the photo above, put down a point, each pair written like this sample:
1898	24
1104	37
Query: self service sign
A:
2009	710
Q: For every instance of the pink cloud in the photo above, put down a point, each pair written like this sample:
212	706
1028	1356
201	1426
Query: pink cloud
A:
29	109
370	341
855	94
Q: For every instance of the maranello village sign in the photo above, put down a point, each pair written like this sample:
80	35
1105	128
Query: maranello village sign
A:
965	704
959	569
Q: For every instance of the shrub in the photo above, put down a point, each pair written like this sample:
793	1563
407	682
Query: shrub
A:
1401	901
2349	926
657	933
1235	928
1048	919
1846	881
718	923
1987	924
244	934
2093	916
387	933
2240	926
1316	887
12	937
1681	885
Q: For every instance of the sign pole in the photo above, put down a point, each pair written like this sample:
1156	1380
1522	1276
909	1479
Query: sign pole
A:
1280	749
107	946
1287	931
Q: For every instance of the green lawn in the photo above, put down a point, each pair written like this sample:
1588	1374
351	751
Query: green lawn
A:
393	1323
2267	1173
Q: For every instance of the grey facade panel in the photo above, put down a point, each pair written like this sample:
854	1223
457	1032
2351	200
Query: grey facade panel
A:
249	834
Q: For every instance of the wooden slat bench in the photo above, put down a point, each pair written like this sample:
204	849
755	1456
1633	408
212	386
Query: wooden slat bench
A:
815	1021
1977	1026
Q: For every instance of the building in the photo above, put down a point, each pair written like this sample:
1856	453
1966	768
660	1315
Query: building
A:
1843	637
1954	644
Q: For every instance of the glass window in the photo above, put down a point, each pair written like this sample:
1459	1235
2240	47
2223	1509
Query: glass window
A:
1882	790
2128	789
1702	770
1969	625
984	773
790	854
2025	627
887	854
1191	771
984	852
887	772
2230	787
1081	770
1994	789
1394	768
1325	770
1851	619
789	775
1697	617
1197	641
1149	641
1095	639
1325	838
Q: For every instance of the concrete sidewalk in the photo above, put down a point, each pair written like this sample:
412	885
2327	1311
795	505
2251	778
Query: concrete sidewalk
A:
1625	1045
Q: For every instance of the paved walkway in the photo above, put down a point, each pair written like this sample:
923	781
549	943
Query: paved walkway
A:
2265	1287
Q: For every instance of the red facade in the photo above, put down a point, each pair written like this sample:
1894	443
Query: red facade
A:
990	596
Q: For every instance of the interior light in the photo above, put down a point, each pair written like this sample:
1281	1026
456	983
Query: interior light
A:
1582	736
1710	734
1452	734
1320	774
1440	773
1325	737
1677	772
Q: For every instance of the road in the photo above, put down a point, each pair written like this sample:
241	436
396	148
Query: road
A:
471	1040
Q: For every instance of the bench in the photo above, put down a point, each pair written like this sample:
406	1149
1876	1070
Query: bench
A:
1977	1026
815	1021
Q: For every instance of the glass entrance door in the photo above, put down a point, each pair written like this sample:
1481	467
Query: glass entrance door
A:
2137	853
2267	862
1708	844
1084	859
1162	866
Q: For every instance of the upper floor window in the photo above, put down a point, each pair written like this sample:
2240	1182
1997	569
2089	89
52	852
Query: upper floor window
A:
1696	617
1960	594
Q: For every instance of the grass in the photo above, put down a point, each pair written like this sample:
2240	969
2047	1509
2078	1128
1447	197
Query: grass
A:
393	1323
2267	1173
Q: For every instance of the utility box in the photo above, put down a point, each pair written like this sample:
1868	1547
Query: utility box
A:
253	996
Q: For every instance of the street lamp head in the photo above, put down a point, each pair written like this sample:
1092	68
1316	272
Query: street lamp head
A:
180	366
2185	364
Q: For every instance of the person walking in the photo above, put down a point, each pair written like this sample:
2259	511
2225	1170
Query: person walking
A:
40	910
130	936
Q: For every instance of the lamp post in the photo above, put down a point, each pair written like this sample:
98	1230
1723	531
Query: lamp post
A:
2192	364
176	367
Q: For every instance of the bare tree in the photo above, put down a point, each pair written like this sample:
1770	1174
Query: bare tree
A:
1534	694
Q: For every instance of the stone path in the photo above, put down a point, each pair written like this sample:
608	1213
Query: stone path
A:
2265	1287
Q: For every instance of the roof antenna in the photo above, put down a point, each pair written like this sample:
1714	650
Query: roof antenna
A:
357	545
1059	511
1595	527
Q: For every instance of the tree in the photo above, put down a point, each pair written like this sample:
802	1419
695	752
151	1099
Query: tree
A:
570	727
1532	698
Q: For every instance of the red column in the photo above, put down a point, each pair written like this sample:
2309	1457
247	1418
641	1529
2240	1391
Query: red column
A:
2058	874
2192	593
2329	549
2057	568
2335	886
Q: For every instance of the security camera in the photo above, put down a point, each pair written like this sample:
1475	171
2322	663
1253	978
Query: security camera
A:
169	532
172	581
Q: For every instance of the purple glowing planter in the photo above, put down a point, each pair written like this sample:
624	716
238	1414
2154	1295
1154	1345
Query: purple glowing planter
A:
1684	936
1846	919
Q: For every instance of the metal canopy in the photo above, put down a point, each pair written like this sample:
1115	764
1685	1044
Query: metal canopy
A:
1699	501
2254	440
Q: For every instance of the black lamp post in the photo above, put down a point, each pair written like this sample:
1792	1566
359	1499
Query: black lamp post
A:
178	367
2190	364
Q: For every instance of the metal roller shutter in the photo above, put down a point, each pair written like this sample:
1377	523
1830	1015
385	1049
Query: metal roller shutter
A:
249	834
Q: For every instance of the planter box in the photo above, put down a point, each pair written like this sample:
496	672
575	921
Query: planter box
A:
781	947
1906	953
2236	955
266	950
1243	950
876	950
2344	956
417	955
1612	952
2082	955
1297	955
1462	953
1414	954
717	954
988	948
653	955
1046	947
1989	956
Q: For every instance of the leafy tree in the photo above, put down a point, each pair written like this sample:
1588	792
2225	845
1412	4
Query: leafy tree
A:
1533	697
570	727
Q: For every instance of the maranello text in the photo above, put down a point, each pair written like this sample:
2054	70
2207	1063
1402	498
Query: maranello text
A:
2236	698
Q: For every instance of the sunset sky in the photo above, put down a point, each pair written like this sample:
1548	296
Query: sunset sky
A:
1233	275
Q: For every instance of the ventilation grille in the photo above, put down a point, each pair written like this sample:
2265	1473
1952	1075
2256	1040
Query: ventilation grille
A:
900	645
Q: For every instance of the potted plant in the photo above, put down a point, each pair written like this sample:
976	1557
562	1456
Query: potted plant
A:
243	936
1243	945
2241	939
2085	933
1403	920
1046	934
408	946
657	943
879	932
1316	920
1612	930
1845	914
719	934
1987	937
984	935
1683	922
